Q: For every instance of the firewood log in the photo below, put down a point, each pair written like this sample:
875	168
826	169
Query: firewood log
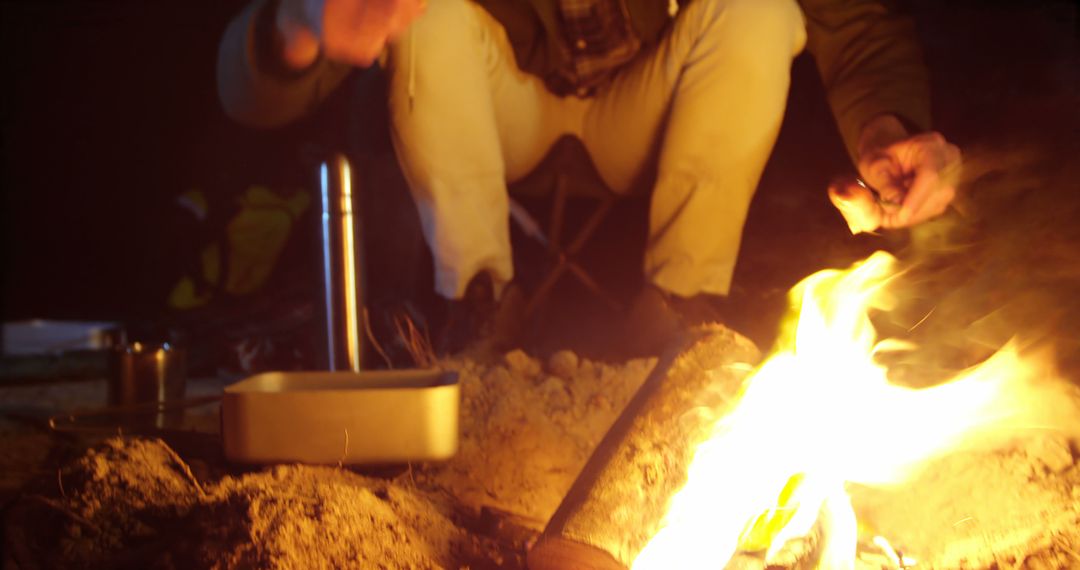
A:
618	501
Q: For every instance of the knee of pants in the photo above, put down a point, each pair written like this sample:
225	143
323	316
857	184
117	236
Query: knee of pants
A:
448	30
442	47
757	25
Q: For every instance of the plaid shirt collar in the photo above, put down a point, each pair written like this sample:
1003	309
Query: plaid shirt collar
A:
598	38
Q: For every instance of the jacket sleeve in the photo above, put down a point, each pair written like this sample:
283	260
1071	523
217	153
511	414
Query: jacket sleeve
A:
254	93
870	63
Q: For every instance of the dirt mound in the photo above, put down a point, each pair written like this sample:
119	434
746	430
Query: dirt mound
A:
1017	507
133	503
529	426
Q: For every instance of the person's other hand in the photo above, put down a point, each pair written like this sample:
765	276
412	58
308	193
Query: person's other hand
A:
348	31
914	178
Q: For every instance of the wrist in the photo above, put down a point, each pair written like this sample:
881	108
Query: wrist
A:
880	132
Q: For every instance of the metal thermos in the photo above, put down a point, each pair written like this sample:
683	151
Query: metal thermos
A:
341	279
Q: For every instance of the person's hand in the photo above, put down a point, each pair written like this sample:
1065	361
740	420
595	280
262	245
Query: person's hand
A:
908	179
348	31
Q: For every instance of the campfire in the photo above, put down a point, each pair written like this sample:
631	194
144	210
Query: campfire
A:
820	414
701	458
769	458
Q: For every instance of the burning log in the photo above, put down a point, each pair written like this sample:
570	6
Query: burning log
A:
841	429
617	502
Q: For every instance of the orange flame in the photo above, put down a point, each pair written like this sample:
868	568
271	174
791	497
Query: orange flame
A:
820	413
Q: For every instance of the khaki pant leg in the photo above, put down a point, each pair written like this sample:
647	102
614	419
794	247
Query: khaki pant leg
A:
464	120
712	97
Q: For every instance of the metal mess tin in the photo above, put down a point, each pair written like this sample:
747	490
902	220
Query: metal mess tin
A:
368	417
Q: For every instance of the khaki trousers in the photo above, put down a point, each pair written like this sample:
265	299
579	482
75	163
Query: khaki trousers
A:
705	104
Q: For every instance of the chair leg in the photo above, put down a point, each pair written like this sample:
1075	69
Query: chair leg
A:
558	210
545	286
586	231
593	286
564	257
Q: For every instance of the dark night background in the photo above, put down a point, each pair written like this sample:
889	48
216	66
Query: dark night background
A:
109	112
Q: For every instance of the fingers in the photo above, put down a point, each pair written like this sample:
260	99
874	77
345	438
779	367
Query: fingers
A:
918	173
883	173
356	31
934	162
353	31
919	205
857	204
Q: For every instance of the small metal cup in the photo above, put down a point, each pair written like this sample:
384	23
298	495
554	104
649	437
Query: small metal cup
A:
143	376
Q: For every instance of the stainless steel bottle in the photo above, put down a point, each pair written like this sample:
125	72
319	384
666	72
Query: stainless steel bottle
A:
341	279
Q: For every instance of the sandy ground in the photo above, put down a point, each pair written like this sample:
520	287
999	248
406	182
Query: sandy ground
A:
528	426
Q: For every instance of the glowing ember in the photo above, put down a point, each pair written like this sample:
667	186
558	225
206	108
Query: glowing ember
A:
820	413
